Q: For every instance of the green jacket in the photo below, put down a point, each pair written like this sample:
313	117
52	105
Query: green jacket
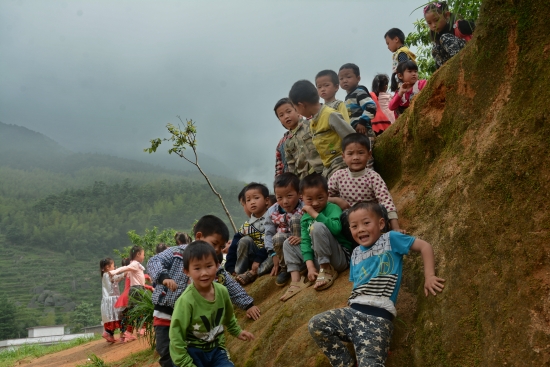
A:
330	217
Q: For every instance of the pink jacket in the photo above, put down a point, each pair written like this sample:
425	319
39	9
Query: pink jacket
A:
384	101
405	100
135	273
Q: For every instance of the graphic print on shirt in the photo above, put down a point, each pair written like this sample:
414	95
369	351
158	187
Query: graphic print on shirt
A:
212	327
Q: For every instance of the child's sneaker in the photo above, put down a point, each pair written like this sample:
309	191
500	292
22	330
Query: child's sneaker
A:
122	339
108	337
282	278
128	337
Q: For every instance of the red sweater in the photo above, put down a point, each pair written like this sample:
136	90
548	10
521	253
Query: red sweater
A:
405	100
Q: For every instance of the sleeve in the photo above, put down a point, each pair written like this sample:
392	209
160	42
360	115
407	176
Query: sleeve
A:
344	111
338	124
402	57
261	255
289	156
231	258
401	243
117	278
395	102
132	267
382	194
333	187
422	83
368	106
331	218
351	266
278	163
230	321
237	293
159	265
305	244
181	319
270	231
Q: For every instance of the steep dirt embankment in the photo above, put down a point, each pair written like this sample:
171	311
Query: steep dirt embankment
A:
469	169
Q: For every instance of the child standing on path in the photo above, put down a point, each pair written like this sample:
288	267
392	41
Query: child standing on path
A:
110	316
200	314
376	270
327	85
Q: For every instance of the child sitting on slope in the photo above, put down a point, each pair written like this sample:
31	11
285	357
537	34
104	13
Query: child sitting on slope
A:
407	72
375	270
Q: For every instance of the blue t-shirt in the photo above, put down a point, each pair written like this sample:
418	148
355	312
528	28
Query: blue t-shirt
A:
377	270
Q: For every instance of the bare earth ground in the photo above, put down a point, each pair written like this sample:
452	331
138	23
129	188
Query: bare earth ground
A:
79	355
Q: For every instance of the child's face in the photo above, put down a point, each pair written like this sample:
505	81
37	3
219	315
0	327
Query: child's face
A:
435	21
256	203
140	256
393	44
356	157
288	116
202	271
306	109
287	197
215	239
327	90
109	267
409	76
246	211
316	197
365	227
348	80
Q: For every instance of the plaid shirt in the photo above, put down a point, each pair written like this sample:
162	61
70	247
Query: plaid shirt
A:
169	265
278	221
280	159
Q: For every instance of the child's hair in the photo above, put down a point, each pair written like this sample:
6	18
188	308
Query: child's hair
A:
181	238
125	262
441	8
136	250
360	139
375	208
241	194
209	225
352	67
401	68
257	186
380	84
281	102
272	199
160	247
286	179
303	91
198	250
103	263
331	73
395	32
313	180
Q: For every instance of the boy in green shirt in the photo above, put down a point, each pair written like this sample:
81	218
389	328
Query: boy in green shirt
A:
196	330
322	246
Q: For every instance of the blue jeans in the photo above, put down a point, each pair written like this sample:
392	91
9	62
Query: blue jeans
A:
217	357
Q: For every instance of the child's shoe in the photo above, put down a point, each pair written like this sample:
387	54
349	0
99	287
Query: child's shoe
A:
108	337
122	339
282	278
128	337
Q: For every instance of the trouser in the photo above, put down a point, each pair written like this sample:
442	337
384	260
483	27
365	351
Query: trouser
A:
163	345
246	253
217	357
369	334
325	246
280	238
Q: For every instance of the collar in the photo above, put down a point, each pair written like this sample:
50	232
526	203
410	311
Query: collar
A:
254	219
358	173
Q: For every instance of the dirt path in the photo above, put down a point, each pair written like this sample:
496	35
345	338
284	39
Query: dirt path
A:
79	355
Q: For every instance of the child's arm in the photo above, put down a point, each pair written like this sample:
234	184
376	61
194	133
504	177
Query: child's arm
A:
432	284
289	156
279	158
330	217
334	193
158	268
230	322
123	269
368	106
383	196
270	231
240	298
395	102
338	124
178	331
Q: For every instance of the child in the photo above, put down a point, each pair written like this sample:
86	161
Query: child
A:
200	314
231	258
395	40
289	119
252	256
322	243
380	122
137	283
327	126
299	152
376	271
407	72
166	269
271	200
160	247
380	89
109	314
327	85
181	238
282	223
447	34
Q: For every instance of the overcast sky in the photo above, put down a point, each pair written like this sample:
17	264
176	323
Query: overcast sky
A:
107	76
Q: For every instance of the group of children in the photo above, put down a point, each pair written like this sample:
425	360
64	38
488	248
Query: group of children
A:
332	212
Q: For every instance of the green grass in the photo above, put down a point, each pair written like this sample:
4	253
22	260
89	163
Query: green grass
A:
145	357
8	358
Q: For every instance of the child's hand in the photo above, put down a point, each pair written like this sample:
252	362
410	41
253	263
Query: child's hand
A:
433	284
246	336
170	284
275	269
293	240
405	87
312	273
253	313
360	129
254	268
309	209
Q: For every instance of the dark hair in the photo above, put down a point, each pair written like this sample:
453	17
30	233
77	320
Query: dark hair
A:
375	208
380	83
331	73
198	250
286	179
313	180
135	251
160	247
209	225
241	195
351	66
361	139
440	7
303	91
281	102
272	200
103	263
181	238
257	186
406	65
395	32
125	262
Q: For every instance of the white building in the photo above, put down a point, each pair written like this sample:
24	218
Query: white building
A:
43	335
